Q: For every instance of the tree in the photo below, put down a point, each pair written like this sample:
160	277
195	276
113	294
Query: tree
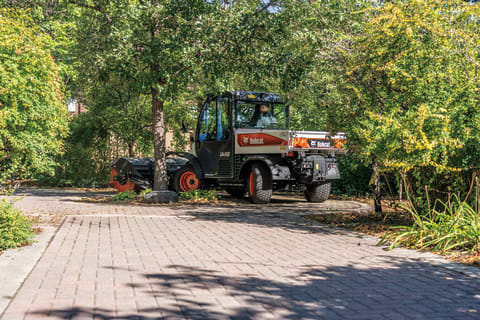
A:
54	18
33	117
161	47
124	114
410	89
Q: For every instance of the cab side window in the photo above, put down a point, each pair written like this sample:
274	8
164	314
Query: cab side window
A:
223	118
208	125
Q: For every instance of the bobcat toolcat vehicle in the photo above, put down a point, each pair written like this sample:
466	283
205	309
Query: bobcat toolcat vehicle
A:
243	144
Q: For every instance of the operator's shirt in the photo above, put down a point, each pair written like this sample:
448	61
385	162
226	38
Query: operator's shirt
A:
266	120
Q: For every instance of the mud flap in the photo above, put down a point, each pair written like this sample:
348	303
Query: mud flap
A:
319	168
332	172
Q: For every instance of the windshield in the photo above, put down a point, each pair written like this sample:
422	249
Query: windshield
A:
264	115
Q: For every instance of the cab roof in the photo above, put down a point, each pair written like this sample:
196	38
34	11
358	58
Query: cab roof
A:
256	96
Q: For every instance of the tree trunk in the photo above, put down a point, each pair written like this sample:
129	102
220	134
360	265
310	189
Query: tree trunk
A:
160	180
131	153
400	189
377	196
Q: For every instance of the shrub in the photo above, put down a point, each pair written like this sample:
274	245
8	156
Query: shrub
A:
199	195
90	148
408	94
33	117
125	196
15	228
144	192
456	227
355	177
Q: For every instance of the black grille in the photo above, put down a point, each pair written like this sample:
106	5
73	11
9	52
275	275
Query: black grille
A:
238	164
224	168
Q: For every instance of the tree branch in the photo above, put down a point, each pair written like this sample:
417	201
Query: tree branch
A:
95	7
269	4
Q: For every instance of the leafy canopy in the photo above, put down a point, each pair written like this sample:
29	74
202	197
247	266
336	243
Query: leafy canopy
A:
32	112
410	91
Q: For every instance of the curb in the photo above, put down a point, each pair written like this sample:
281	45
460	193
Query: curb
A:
16	265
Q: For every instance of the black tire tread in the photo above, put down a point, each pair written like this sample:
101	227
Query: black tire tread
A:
318	193
260	195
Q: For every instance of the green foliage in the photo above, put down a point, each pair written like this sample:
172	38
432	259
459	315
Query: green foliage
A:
455	227
6	191
406	81
56	19
32	112
15	228
144	192
200	195
355	177
87	157
320	33
409	94
166	49
125	196
401	78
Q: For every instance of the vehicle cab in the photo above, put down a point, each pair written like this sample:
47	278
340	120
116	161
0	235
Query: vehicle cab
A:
243	144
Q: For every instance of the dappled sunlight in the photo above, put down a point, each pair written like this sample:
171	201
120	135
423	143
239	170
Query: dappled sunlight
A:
410	289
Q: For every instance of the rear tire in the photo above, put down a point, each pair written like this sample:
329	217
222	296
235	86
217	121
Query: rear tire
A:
236	192
257	193
318	193
185	179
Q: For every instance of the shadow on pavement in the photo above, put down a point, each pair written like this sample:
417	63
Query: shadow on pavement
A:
399	290
60	193
266	216
282	203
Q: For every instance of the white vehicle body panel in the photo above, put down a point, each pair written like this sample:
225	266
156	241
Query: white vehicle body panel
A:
269	141
261	141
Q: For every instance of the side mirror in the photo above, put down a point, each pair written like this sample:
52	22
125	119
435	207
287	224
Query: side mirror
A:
184	127
287	116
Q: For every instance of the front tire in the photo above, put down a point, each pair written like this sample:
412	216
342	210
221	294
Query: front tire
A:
185	179
257	192
318	193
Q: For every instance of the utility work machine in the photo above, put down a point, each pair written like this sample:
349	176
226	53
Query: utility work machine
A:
243	144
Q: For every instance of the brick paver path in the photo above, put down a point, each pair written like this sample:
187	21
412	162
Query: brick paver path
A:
230	263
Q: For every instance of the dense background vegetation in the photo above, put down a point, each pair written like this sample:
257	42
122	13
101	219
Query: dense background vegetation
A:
400	77
33	118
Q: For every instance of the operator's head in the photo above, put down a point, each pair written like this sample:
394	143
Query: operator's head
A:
264	108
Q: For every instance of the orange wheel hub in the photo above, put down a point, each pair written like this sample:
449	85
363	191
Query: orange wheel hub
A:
251	183
188	181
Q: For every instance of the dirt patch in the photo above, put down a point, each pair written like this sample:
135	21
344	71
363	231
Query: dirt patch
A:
366	222
139	201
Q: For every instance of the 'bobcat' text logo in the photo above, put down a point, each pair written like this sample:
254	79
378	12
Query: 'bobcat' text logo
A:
259	140
256	140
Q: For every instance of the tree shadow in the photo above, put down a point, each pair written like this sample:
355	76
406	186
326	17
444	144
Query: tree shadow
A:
281	204
398	289
59	193
266	216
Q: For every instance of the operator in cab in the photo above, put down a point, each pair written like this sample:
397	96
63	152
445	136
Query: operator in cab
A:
263	118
